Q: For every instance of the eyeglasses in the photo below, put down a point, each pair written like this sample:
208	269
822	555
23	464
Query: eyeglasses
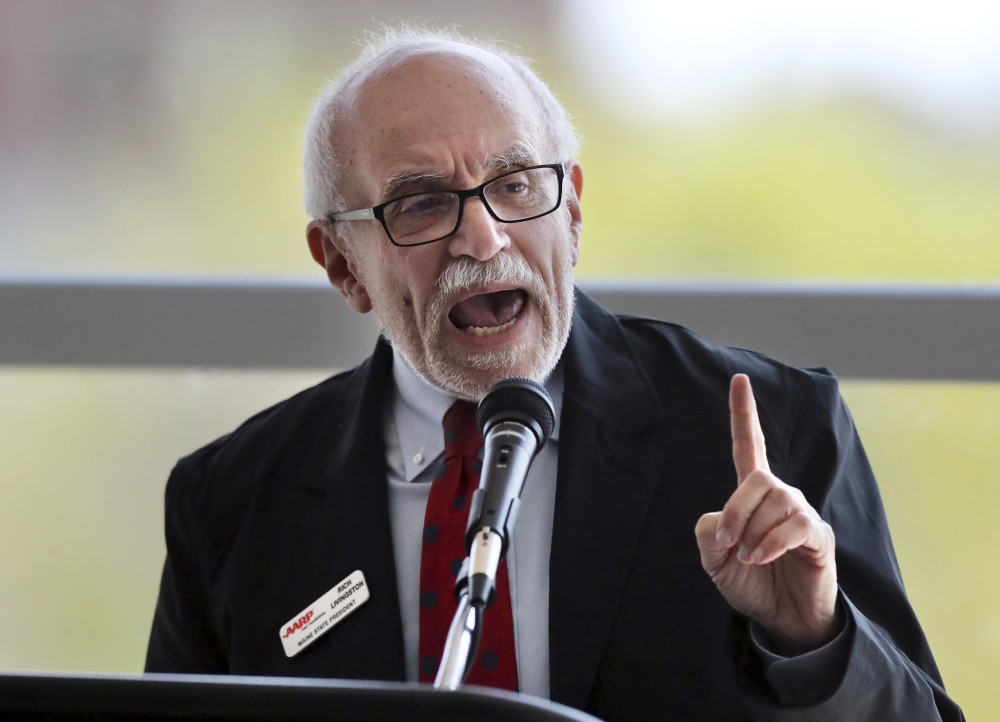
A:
419	218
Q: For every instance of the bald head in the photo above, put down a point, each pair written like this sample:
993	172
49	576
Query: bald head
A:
432	60
396	74
404	121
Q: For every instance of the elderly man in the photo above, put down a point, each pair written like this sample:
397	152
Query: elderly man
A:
665	564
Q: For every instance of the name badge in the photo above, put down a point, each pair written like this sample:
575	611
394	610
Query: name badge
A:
324	614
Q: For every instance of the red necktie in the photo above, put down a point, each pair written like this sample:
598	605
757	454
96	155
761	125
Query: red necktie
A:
443	552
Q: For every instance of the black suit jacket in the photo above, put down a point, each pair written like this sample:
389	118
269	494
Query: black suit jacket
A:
262	522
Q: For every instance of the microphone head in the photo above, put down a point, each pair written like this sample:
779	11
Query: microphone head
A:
518	399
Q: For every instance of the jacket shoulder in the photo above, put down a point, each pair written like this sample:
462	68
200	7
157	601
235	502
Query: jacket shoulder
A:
269	431
683	366
215	486
654	340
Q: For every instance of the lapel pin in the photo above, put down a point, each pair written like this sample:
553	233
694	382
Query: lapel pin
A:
324	614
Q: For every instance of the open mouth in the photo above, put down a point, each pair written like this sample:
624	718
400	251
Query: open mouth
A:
488	313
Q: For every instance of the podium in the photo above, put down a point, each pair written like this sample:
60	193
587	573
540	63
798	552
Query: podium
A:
174	697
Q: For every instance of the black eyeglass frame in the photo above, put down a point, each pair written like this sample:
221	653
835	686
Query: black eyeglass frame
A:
378	212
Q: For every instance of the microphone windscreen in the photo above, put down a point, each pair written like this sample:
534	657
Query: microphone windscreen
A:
517	398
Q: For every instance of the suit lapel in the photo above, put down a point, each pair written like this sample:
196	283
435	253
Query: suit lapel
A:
346	526
605	481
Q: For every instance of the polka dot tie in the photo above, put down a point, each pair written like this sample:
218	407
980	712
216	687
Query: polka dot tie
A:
443	552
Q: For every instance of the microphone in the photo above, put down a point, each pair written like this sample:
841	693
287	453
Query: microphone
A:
516	418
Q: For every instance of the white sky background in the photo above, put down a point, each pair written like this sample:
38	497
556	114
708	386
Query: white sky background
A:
691	60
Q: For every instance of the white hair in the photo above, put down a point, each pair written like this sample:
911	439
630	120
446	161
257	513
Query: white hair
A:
321	167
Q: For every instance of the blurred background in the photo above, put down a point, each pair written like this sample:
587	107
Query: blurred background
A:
820	143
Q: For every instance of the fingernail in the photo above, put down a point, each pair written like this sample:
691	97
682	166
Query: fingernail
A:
722	536
757	555
741	553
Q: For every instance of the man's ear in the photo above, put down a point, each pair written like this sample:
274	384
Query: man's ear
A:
331	251
573	190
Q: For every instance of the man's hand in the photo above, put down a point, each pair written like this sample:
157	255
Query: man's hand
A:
768	551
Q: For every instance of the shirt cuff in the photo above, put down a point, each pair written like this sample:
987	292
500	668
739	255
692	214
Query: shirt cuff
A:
811	677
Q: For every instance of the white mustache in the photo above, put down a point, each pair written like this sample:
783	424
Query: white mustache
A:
502	269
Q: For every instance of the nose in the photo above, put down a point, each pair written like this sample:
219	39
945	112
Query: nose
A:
479	235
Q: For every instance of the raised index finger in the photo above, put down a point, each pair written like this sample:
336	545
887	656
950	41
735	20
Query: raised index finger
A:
749	453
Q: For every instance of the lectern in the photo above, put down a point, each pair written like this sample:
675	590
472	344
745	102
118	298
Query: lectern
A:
174	697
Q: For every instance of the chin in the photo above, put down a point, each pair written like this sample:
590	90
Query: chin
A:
470	375
480	372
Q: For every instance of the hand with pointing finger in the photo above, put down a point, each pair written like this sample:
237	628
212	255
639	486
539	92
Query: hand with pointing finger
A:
768	551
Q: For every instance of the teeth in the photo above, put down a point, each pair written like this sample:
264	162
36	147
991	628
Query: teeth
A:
489	330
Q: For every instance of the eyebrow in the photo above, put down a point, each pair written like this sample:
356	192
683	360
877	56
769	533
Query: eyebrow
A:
520	154
398	183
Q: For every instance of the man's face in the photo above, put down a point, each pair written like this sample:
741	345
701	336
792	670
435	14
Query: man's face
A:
492	300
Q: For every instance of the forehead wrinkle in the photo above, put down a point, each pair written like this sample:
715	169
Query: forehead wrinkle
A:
518	155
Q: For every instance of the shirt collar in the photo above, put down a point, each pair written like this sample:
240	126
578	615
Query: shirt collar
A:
419	409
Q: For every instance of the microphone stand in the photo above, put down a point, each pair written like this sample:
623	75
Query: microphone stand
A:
478	573
463	640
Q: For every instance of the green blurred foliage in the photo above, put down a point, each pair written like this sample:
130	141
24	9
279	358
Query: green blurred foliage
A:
842	190
84	457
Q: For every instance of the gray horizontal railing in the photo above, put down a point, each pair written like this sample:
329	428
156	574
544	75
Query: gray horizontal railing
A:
919	333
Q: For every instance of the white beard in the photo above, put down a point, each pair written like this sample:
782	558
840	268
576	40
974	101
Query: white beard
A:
450	373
